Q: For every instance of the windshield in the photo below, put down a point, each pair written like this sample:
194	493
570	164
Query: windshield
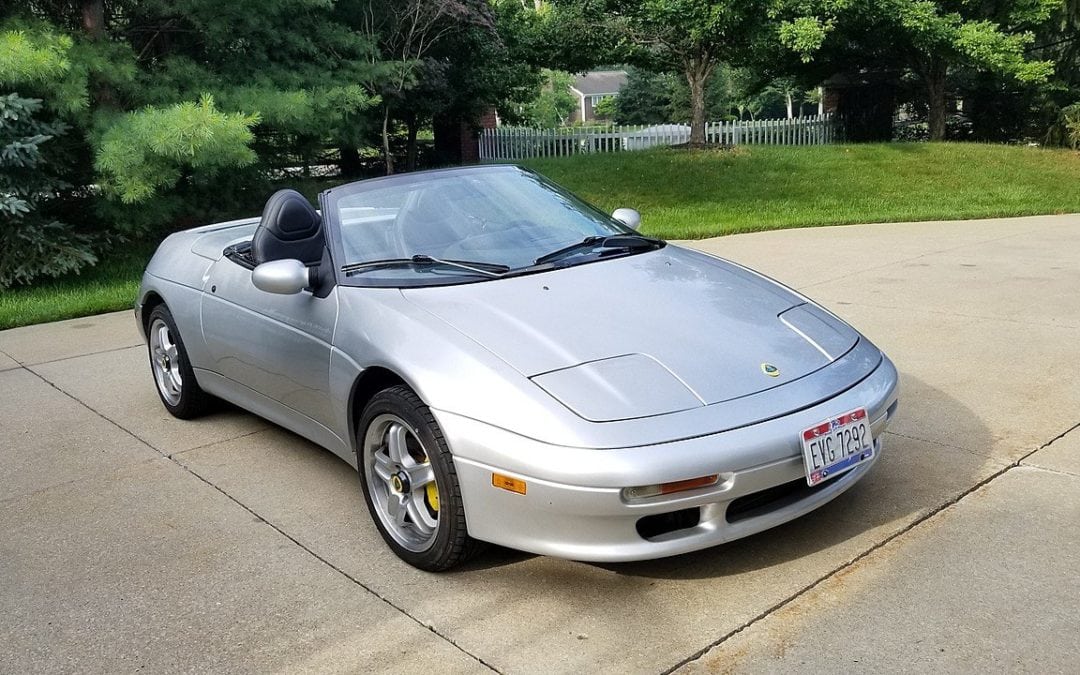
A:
498	217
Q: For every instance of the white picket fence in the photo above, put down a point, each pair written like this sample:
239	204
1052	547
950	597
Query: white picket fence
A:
524	142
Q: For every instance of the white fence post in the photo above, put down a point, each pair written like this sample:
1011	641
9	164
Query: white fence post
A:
520	143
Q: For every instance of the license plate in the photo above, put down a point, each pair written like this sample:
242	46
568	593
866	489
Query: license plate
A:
836	445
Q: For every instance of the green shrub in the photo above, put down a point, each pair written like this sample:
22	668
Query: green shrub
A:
1070	121
33	242
152	148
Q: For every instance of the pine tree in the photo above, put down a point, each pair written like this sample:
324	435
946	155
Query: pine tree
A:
33	243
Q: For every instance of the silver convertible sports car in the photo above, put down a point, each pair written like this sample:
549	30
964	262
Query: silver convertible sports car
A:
504	363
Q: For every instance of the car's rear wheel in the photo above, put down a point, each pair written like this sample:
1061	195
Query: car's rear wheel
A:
175	380
409	481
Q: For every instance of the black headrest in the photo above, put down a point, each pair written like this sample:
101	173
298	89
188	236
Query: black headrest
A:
290	228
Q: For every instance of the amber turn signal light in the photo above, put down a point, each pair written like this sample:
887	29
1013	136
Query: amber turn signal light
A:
507	483
646	491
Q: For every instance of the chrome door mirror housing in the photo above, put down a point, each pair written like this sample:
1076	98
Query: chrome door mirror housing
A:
285	277
629	217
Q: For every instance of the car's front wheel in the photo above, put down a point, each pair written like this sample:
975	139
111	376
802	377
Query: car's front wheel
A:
175	380
409	481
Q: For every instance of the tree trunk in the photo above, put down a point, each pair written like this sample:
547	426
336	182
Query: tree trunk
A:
935	91
387	156
93	18
413	126
697	75
93	21
349	161
790	113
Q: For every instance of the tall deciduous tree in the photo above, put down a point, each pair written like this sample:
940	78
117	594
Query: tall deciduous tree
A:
928	37
554	103
406	32
691	37
484	62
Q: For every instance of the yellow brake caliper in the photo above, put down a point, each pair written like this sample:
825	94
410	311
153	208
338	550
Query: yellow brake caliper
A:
433	496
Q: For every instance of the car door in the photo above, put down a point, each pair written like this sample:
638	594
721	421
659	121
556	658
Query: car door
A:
275	345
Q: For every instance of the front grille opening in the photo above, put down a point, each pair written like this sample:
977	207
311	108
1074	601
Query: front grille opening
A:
770	499
658	524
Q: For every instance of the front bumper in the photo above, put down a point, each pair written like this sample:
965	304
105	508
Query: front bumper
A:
574	505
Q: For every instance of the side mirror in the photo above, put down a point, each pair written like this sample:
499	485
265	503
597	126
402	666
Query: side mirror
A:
628	217
285	277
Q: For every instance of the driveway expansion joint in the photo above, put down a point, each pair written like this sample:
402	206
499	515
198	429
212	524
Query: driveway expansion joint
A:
1059	472
337	569
176	455
71	481
269	524
79	356
1019	463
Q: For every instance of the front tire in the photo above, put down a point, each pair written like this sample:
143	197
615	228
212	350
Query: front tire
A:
175	380
410	483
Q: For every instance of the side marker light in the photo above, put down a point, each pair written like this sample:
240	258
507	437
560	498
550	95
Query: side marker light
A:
507	483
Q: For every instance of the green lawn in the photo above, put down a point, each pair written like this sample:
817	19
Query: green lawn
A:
684	194
690	194
109	286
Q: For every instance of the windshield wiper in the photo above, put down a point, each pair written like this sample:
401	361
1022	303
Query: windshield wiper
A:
629	242
493	270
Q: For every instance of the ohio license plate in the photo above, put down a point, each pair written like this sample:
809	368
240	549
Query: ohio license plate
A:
836	445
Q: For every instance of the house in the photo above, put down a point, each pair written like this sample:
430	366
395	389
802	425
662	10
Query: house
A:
591	88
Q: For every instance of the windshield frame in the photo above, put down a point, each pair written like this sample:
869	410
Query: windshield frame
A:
328	201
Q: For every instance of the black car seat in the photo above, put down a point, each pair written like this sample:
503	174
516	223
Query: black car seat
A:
290	228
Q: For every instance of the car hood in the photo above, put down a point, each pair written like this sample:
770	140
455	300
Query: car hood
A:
645	334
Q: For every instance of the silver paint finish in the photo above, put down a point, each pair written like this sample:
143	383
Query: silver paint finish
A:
627	371
573	506
628	217
209	241
278	345
769	442
708	322
284	277
450	369
619	388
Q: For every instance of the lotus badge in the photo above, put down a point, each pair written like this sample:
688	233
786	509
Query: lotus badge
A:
770	370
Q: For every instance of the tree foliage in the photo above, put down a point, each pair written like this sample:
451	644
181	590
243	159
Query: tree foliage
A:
174	111
1069	125
655	98
690	37
552	105
150	149
33	242
929	38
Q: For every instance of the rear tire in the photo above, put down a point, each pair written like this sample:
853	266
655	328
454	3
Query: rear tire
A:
173	376
410	483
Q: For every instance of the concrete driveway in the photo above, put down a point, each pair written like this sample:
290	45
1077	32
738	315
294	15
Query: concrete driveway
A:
129	540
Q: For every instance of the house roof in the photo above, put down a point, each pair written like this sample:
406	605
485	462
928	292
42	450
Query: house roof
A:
600	82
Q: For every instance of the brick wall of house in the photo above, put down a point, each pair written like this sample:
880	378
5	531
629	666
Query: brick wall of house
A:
458	141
